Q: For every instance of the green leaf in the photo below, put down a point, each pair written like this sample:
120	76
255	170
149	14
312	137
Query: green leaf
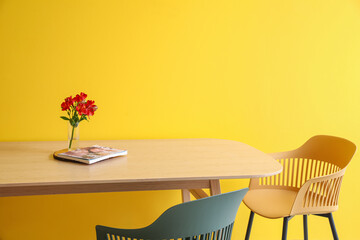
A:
65	118
83	117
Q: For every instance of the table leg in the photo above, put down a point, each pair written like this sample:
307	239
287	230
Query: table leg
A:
198	193
185	195
215	187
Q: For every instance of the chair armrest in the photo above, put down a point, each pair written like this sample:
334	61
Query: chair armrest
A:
319	195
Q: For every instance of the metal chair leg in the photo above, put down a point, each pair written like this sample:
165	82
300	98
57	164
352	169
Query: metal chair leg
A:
332	225
305	223
248	230
285	227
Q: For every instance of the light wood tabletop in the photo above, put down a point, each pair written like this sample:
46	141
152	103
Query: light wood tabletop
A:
28	168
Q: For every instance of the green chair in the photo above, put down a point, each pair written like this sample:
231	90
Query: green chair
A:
210	218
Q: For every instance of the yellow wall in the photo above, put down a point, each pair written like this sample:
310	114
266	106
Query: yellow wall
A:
267	73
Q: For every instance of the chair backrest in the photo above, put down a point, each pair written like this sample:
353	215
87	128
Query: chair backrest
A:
207	218
319	156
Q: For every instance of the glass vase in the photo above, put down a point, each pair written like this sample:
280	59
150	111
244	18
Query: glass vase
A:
73	137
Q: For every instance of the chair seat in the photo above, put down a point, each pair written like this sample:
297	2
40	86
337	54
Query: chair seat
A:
270	203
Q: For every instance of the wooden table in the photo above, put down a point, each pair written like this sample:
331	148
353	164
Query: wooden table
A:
28	168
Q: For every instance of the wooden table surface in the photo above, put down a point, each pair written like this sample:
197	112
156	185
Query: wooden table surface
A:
28	168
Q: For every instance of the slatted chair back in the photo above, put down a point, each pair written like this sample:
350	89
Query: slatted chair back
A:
209	218
315	170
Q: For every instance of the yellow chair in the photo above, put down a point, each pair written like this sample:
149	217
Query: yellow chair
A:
309	183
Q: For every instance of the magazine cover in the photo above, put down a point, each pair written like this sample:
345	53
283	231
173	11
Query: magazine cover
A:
92	152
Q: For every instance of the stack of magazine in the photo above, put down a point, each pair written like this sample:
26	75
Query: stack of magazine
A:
93	154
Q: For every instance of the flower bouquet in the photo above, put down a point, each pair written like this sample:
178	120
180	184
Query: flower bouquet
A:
78	109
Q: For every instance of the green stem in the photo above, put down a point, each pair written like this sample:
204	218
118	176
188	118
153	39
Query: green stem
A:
72	136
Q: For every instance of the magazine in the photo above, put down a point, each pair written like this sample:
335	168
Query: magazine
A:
92	154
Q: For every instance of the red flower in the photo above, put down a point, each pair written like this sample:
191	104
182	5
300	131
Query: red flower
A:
88	108
89	103
67	103
81	108
91	107
81	97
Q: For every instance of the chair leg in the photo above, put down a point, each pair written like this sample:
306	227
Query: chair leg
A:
332	225
248	230
285	227
305	223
